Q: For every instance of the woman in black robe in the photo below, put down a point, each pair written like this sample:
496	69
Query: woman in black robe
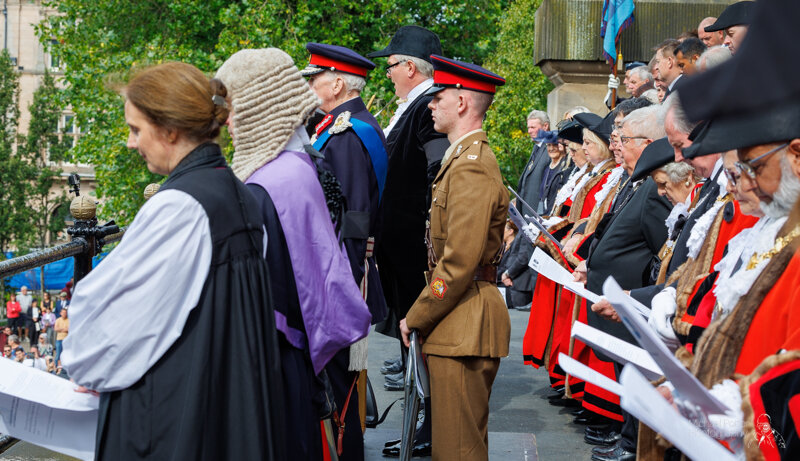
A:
165	327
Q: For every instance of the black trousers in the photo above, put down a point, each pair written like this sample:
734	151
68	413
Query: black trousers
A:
341	380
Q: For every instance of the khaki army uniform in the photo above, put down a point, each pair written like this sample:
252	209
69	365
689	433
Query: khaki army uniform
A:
460	313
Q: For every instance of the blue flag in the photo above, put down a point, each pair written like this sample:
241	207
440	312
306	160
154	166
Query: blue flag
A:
617	15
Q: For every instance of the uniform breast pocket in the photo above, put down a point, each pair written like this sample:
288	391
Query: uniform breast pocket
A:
439	213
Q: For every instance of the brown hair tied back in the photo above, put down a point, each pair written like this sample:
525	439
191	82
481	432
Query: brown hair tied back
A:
179	96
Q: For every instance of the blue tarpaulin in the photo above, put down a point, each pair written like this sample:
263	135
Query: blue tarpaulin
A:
56	274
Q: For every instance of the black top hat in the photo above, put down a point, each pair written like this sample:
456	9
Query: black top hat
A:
657	154
721	134
451	73
335	58
412	41
734	15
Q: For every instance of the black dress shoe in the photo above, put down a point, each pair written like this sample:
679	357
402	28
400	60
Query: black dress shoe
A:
565	403
393	386
388	362
391	443
397	377
590	419
601	450
580	412
597	430
396	367
618	454
555	396
610	438
419	450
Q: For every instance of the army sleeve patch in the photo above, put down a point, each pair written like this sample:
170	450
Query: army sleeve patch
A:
438	287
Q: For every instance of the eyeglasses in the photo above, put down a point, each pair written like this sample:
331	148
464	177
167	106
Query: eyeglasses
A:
625	139
747	165
733	176
390	66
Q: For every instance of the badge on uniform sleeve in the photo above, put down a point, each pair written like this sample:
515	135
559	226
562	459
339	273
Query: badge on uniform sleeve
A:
438	287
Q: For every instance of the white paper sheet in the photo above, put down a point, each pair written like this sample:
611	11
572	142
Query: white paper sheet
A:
579	370
546	266
45	410
640	399
686	384
621	351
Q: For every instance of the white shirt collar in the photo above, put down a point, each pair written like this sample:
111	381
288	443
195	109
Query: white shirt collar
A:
671	85
418	90
298	139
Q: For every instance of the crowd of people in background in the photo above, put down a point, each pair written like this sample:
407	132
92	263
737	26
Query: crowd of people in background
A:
35	329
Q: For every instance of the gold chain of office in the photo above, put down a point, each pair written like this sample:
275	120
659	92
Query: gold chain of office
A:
780	244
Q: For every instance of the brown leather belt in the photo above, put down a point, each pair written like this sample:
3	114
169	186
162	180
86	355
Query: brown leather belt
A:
487	273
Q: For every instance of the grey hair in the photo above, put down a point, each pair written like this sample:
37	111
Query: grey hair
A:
571	113
423	67
651	95
680	121
642	73
679	172
713	57
645	122
539	115
352	82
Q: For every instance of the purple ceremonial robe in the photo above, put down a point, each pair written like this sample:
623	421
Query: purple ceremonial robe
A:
334	312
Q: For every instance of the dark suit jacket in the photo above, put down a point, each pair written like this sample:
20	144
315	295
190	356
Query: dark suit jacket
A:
530	181
633	237
415	153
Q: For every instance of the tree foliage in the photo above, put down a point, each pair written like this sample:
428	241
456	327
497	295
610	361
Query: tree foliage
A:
102	40
13	182
526	89
39	150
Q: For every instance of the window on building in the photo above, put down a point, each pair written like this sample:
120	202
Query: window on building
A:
54	60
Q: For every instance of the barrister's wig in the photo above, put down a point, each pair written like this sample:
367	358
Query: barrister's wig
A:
270	99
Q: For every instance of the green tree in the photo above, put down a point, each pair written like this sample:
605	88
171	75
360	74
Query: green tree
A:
40	149
14	212
100	41
526	89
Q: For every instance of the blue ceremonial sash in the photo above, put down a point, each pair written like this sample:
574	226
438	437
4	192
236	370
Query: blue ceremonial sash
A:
372	141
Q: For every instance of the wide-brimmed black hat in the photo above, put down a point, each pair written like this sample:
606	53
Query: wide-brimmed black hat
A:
412	41
571	131
598	125
657	154
738	14
721	134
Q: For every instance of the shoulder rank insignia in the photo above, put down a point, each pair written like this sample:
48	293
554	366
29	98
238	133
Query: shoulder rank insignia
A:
438	287
341	124
472	156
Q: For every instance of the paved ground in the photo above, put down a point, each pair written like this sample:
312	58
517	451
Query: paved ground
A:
522	425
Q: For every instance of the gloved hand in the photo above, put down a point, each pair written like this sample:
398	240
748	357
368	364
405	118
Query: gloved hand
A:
613	82
531	231
663	309
551	221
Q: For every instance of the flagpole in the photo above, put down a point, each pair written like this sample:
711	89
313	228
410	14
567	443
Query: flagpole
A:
614	67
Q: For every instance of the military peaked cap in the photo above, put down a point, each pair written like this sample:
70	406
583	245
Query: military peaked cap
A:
335	58
450	73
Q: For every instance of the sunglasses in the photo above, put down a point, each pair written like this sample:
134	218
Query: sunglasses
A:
747	166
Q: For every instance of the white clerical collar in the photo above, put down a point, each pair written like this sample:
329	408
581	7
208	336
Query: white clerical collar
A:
458	141
298	139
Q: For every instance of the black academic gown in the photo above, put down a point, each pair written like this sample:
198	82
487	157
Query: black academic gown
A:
415	152
216	393
348	159
299	382
626	249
